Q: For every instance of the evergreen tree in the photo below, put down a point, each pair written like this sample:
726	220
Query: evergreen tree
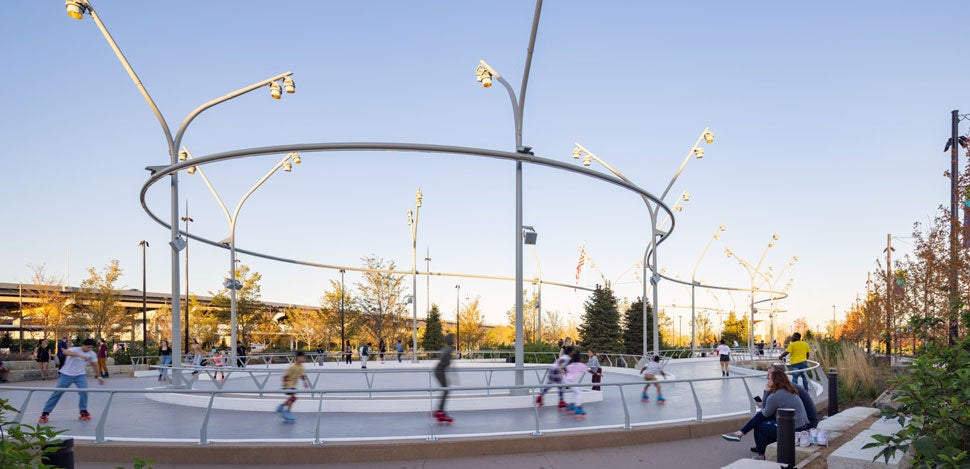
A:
433	339
633	328
735	328
600	328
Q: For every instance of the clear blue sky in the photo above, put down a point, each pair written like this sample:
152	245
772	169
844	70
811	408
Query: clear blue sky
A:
830	119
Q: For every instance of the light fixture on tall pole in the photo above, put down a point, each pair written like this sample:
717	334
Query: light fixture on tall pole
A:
753	271
343	338
232	283
530	236
427	280
693	286
413	224
657	235
771	288
458	318
76	9
144	299
187	219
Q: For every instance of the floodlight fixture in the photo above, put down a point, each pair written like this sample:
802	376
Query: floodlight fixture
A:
178	243
686	196
709	136
192	169
529	235
275	91
76	8
184	154
699	153
577	153
418	196
289	86
484	74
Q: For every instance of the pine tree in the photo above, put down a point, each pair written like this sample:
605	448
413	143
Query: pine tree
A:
600	328
433	339
633	327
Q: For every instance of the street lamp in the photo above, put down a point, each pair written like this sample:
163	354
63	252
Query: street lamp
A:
693	285
343	338
427	282
771	289
458	318
657	234
76	9
753	271
187	219
530	236
232	283
144	299
413	224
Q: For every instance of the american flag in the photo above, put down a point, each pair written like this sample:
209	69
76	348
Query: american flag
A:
582	260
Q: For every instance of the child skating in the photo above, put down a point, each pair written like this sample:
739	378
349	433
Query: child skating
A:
444	361
292	375
650	372
218	361
554	377
575	370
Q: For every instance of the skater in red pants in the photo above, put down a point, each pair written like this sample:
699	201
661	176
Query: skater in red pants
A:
444	361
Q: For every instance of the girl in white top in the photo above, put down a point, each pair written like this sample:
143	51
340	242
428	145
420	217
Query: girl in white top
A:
651	371
725	357
575	370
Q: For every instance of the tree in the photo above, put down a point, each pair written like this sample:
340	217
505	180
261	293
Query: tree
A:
98	302
600	327
380	300
433	339
331	304
160	325
633	327
704	328
203	324
472	330
248	303
735	329
307	326
51	308
553	326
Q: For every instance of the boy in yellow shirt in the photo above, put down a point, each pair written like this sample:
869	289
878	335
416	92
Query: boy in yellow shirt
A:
293	374
799	351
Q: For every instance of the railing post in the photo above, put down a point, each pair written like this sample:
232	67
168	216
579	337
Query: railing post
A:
626	410
833	392
786	437
99	430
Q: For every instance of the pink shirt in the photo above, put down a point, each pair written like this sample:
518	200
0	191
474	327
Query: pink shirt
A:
575	370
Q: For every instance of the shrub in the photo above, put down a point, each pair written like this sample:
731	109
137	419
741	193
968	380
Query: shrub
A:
857	373
932	408
24	445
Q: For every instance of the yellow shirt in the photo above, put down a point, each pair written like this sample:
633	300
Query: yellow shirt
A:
293	374
799	351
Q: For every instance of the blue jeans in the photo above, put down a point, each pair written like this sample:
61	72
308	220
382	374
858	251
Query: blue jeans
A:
63	382
803	375
765	431
166	361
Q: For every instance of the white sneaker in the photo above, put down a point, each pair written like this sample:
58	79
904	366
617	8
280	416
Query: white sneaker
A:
804	439
821	438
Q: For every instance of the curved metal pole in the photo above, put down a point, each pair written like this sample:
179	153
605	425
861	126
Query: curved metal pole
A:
539	297
414	275
693	285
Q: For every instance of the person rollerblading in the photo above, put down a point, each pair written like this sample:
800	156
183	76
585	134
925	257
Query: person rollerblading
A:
84	415
443	418
579	413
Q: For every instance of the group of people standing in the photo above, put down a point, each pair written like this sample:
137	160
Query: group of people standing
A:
366	349
42	355
567	369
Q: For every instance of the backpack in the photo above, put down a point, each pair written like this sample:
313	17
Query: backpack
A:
363	350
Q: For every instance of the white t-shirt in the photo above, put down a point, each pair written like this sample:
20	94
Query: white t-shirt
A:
74	366
723	349
653	368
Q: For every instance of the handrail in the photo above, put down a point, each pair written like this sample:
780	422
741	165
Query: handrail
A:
321	394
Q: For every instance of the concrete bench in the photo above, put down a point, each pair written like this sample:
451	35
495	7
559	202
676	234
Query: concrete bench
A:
752	464
851	455
834	426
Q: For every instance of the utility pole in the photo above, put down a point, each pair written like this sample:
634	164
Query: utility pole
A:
889	294
954	193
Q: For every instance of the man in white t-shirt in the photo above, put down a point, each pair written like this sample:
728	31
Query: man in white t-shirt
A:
76	359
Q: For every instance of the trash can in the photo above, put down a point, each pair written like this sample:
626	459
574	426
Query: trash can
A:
703	354
63	456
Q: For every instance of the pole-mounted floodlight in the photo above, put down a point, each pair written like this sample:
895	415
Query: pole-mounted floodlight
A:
289	86
275	91
709	136
76	9
529	235
484	74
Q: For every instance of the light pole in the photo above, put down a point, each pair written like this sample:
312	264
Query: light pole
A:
76	9
144	299
753	271
530	236
187	219
693	285
343	338
680	328
771	289
413	224
458	318
656	236
427	282
485	74
232	283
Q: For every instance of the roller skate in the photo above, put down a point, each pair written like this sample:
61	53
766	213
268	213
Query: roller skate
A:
562	405
661	400
442	418
84	415
645	397
571	408
43	418
580	413
288	416
539	401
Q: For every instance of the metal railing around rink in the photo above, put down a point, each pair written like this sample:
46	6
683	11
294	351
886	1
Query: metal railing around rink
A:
320	395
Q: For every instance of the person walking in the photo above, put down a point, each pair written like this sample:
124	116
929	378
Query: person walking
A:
195	348
381	349
348	353
76	359
799	350
164	360
724	357
399	348
103	359
62	345
444	361
43	356
293	374
240	354
651	371
595	368
782	395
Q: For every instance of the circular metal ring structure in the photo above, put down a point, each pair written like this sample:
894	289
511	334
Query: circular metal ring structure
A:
305	148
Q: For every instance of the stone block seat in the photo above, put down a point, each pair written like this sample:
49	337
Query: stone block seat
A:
851	455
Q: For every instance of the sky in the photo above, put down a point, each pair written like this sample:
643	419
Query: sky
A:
829	119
